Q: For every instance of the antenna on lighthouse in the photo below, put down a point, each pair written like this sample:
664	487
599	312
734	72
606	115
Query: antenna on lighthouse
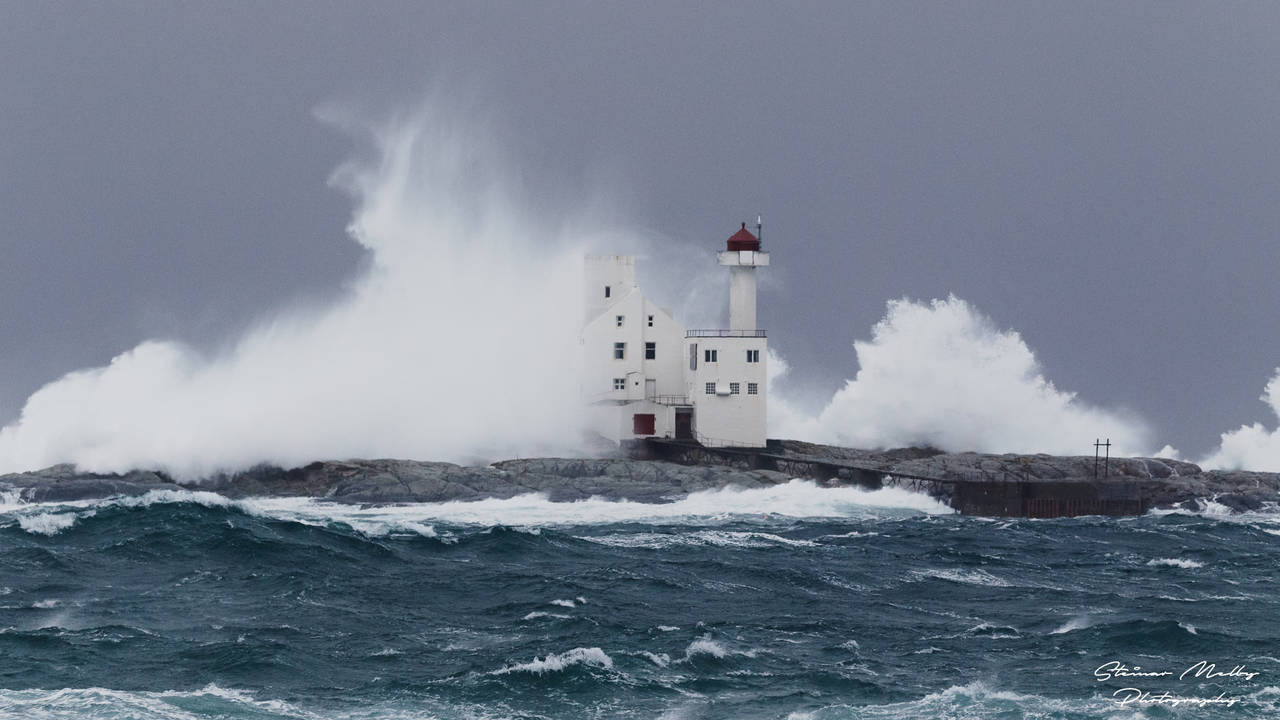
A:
759	229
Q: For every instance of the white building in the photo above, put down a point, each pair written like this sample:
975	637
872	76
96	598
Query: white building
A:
646	376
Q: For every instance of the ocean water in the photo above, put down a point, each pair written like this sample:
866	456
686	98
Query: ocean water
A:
792	602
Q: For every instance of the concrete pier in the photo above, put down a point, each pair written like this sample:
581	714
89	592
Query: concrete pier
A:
1010	494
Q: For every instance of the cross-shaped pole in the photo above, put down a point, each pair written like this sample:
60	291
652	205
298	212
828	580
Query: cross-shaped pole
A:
1106	466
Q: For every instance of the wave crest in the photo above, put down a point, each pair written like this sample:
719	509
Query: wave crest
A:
592	657
795	499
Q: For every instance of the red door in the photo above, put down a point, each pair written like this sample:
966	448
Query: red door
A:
642	423
684	425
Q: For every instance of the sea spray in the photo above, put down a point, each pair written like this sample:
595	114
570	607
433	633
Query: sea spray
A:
941	374
468	294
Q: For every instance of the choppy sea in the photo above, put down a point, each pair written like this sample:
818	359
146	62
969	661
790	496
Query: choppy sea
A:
791	602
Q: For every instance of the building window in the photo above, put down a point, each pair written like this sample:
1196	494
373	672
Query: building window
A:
606	291
735	388
709	355
753	389
753	356
651	351
650	321
619	351
711	388
619	383
693	356
619	320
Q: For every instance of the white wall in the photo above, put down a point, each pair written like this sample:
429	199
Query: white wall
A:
742	266
617	272
726	419
614	409
599	365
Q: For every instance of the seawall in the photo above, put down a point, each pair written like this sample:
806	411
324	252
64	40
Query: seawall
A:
1033	486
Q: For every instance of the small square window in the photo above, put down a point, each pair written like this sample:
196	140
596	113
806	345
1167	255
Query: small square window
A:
619	319
606	291
650	321
753	389
709	355
619	383
753	356
711	388
619	351
651	351
735	388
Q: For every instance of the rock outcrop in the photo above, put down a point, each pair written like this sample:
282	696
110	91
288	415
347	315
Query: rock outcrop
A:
396	481
1164	483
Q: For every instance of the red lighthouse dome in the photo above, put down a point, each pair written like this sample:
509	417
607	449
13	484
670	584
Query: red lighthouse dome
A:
744	240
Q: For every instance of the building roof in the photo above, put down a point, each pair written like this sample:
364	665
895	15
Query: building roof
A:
744	240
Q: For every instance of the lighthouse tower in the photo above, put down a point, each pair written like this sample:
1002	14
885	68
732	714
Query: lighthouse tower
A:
727	370
742	256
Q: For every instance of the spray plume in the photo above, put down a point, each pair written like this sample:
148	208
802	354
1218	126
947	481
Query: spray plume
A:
457	341
1251	447
943	375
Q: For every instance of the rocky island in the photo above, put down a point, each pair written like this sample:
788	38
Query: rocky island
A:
654	472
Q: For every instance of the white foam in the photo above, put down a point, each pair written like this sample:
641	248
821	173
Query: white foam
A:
594	657
703	538
967	576
850	534
705	646
983	629
76	703
798	498
47	523
1205	507
660	659
564	603
1076	623
540	614
10	499
1175	562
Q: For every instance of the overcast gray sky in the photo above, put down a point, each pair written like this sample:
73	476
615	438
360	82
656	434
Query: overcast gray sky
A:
1102	177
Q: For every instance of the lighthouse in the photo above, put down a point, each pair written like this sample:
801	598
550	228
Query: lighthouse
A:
646	376
742	255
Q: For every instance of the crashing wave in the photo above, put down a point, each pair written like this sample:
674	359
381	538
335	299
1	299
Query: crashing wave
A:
593	657
796	499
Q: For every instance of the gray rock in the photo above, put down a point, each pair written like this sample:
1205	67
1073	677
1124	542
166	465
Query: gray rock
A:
1165	483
